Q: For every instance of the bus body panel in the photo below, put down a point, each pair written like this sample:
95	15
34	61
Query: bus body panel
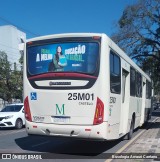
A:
54	105
77	131
147	109
125	97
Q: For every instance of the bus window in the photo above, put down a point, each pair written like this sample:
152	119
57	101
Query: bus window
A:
111	63
132	82
138	85
115	75
148	90
124	76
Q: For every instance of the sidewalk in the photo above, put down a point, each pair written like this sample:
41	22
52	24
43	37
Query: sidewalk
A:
148	142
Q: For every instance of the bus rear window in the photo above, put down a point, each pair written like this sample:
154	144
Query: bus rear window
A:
63	57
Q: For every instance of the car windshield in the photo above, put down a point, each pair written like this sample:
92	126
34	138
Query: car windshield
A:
12	108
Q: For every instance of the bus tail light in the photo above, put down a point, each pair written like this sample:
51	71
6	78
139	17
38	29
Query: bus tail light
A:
27	110
99	113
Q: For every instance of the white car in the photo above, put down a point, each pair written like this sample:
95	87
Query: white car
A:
12	116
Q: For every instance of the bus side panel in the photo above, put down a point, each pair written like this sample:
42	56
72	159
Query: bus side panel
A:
138	113
147	109
111	101
114	116
125	91
135	108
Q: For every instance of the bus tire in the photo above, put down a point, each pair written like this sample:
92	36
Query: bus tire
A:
130	133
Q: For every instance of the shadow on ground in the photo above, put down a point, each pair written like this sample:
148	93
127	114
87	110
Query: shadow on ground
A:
5	129
65	146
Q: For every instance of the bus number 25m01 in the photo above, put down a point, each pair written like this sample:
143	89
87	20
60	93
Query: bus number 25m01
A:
80	96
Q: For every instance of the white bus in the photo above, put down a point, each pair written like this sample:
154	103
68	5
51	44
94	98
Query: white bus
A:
83	86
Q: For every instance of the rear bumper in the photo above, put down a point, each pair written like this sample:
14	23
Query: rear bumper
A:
76	131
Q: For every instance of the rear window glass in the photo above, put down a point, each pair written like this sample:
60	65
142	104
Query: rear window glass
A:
66	57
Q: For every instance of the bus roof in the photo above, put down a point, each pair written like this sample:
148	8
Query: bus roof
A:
66	35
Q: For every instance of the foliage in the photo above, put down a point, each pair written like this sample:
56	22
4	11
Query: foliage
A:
10	80
138	34
154	72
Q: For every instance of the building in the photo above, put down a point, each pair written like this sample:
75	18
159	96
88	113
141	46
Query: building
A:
10	38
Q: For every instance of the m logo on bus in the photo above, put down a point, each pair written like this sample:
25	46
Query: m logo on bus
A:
60	110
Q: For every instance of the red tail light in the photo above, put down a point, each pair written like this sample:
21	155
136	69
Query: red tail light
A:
99	113
27	110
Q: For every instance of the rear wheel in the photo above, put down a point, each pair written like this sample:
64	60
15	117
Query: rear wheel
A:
19	124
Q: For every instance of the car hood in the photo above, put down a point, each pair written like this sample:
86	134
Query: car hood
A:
2	114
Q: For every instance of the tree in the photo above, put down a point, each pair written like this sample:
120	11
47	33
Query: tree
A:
154	72
138	34
10	80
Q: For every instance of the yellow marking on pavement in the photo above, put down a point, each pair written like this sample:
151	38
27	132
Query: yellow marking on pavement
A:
130	142
12	132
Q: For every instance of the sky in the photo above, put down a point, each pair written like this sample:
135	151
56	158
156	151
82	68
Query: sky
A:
44	17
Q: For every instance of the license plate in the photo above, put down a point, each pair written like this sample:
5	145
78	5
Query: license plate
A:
61	119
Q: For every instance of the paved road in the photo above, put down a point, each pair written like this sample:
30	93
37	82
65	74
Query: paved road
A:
17	141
